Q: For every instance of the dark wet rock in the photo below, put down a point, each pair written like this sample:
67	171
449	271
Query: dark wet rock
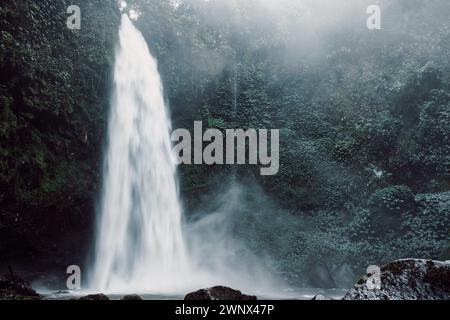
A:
12	287
321	297
218	293
62	292
98	297
132	297
409	279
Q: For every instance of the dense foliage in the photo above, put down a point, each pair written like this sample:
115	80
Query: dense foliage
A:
53	105
364	119
360	111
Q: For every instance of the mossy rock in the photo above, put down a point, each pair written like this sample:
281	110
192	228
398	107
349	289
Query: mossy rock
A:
395	199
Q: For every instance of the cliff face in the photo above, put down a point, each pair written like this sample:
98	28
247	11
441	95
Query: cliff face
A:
53	109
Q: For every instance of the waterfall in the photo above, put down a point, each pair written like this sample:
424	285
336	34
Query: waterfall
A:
139	244
140	247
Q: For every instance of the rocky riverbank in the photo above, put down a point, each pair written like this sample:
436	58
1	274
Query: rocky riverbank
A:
409	279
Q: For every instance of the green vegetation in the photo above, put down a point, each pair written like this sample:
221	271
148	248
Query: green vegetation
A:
53	107
364	119
361	112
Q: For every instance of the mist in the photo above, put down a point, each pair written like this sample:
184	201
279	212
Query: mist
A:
219	242
320	69
362	112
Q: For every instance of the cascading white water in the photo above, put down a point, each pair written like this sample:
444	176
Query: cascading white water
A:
140	245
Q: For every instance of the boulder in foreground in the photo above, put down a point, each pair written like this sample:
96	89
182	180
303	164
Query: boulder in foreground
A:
409	279
218	293
321	297
131	297
97	297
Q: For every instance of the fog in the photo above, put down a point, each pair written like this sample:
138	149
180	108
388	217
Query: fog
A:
321	55
231	239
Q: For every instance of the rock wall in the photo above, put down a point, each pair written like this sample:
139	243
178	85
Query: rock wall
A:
53	109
